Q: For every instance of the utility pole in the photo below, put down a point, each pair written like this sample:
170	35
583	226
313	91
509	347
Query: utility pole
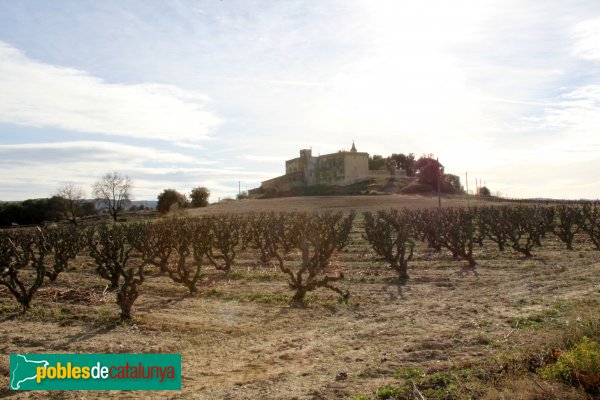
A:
467	182
439	178
239	188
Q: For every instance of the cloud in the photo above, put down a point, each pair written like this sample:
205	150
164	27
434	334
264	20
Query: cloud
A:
574	119
43	95
587	39
265	159
36	169
87	152
490	87
573	180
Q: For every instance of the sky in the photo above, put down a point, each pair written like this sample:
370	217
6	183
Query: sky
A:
180	94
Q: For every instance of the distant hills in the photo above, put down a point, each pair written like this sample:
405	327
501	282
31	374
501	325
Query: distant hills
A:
136	203
145	203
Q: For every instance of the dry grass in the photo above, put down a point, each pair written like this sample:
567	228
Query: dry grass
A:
322	203
239	339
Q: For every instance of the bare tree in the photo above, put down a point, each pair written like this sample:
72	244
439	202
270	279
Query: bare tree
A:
73	196
114	191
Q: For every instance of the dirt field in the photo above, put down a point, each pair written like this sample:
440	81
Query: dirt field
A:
239	339
322	203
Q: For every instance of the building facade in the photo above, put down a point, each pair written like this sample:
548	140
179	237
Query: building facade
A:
335	169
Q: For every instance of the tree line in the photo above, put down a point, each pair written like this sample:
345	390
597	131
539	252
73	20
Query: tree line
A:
36	211
427	170
172	200
112	193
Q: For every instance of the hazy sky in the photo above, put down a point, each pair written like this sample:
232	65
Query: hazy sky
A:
178	94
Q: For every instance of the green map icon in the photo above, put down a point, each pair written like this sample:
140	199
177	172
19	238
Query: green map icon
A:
23	369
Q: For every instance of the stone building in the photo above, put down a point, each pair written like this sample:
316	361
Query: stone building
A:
339	169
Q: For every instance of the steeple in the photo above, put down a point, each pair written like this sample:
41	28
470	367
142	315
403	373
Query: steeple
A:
353	149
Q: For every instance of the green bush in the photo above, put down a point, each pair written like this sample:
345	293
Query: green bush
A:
199	197
170	200
579	366
391	392
408	373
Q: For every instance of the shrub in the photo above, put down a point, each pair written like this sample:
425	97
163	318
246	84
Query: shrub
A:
193	238
494	221
64	244
389	234
591	223
458	233
227	232
170	200
316	236
111	248
568	222
484	191
319	235
391	392
426	225
519	225
133	277
156	242
199	196
579	366
22	268
256	235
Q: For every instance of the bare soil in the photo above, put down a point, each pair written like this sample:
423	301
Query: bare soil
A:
239	339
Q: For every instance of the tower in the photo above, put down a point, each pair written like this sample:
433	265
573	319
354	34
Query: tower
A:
353	149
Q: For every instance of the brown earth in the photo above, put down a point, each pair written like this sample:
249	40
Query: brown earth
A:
239	339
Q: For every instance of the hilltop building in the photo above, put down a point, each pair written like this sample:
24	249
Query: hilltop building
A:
335	169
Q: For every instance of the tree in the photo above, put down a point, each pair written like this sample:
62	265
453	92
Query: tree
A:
409	164
55	209
73	196
391	165
170	199
32	211
113	190
88	208
451	184
405	162
200	196
484	191
376	162
429	170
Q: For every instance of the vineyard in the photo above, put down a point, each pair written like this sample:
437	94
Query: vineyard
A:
306	304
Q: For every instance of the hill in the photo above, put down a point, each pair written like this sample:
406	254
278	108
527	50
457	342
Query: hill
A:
322	203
